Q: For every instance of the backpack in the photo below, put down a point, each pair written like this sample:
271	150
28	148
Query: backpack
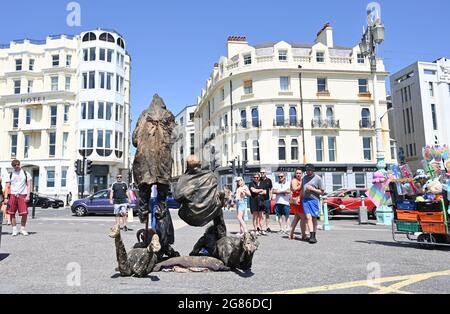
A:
26	178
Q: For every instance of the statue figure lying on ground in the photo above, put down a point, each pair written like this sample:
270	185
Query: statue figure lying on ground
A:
199	197
234	252
141	260
154	137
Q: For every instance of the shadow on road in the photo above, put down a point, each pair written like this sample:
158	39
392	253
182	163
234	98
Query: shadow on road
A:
3	256
244	274
404	245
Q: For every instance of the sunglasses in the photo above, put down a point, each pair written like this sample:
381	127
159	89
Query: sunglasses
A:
16	165
119	177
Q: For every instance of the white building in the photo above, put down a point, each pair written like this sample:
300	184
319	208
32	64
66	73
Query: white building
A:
262	121
184	146
59	97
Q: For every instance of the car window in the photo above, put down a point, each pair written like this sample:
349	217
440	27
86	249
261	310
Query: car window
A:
103	194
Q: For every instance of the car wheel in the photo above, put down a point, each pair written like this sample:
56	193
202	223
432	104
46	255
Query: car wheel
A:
373	215
80	211
45	205
55	206
331	213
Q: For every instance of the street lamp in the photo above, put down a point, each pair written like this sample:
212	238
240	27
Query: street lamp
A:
374	36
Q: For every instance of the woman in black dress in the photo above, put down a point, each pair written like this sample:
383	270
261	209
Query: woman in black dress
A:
257	203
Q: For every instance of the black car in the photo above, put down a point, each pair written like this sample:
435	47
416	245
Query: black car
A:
45	201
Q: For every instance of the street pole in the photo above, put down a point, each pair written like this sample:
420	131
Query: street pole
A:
302	115
83	173
326	222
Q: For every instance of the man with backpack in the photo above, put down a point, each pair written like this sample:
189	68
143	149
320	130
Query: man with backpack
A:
19	182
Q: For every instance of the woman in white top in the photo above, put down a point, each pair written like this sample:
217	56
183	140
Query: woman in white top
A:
242	193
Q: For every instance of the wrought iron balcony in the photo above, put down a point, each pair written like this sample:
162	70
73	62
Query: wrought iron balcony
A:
248	125
366	124
289	123
325	124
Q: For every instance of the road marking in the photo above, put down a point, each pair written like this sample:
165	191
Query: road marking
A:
402	281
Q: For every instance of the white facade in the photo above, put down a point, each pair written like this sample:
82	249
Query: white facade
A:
262	120
49	111
185	145
421	102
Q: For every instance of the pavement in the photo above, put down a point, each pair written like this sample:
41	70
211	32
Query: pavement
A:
67	254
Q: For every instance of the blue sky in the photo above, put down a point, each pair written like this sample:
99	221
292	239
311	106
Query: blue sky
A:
174	44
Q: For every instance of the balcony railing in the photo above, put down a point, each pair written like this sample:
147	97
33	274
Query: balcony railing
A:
289	123
248	125
325	124
366	124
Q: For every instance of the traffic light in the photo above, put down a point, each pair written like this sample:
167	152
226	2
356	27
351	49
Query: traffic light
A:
233	166
89	166
244	167
77	166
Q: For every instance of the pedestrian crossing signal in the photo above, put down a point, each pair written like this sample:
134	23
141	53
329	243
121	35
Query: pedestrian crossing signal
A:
89	166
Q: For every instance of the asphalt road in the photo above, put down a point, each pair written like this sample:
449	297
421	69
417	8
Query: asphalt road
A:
67	254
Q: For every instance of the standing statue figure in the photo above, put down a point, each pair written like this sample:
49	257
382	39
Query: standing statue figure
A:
154	137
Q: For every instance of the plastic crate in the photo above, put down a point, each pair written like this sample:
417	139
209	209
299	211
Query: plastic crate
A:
433	228
432	217
408	215
408	226
406	205
427	207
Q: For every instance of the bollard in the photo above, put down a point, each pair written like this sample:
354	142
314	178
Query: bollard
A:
326	223
362	212
34	201
246	210
322	217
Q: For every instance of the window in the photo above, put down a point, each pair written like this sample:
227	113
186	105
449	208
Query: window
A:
330	115
363	86
55	61
222	93
102	54
255	118
90	139
18	64
337	181
280	116
319	148
360	180
294	150
85	81
243	118
361	58
65	144
431	87
53	116
63	177
28	115
317	115
66	113
109	108
107	37
117	112
434	116
365	118
50	177
244	151
92	80
90	115
89	37
68	79
17	87
54	83
192	136
282	55
92	56
102	80
225	120
321	85
31	65
248	87
68	61
100	141
292	116
120	59
14	145
108	135
247	59
285	83
367	148
52	144
109	78
30	86
332	149
281	150
27	146
15	118
191	117
320	57
256	156
83	139
120	43
83	111
408	120
429	72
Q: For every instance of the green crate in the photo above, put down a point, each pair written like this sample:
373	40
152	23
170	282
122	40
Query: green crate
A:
408	226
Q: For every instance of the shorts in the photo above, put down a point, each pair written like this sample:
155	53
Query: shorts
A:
120	209
282	210
241	205
267	206
311	207
17	203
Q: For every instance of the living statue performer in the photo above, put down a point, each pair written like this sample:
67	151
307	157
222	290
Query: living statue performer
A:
154	137
199	197
141	260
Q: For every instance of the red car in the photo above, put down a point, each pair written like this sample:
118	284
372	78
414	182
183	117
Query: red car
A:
348	201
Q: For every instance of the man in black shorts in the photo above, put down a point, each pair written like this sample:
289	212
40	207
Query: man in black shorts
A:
267	185
118	196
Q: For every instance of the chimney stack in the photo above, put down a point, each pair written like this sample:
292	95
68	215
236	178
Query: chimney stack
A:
325	36
235	45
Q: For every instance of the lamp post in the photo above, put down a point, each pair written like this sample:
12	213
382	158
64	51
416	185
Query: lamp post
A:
302	116
374	36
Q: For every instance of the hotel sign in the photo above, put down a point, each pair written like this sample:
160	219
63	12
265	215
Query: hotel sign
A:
443	71
33	100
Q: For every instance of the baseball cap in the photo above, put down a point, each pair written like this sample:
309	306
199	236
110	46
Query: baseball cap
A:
239	179
309	167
